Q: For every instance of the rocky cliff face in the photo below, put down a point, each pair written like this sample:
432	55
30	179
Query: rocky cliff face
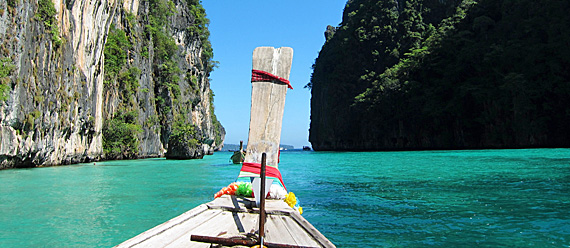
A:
372	37
68	99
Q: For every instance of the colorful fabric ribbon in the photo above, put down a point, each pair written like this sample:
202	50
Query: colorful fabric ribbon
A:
263	76
255	168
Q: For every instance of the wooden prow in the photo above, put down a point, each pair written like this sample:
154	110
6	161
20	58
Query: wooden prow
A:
267	104
229	216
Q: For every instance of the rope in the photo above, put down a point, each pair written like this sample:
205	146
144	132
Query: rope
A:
263	76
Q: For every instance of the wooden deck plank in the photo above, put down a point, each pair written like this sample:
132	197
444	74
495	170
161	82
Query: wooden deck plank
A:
311	230
250	222
223	222
276	231
298	232
230	202
163	239
244	219
275	206
186	243
162	227
284	225
233	203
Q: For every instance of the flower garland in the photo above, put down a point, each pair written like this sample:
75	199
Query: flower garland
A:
275	192
239	189
293	202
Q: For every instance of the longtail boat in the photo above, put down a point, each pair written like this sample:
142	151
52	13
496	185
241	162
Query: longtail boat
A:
256	209
239	156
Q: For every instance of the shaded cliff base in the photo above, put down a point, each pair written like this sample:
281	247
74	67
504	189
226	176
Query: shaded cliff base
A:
403	144
33	161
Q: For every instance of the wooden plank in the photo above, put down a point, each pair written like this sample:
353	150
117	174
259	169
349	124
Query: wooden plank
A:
267	104
248	221
184	242
223	223
162	227
277	207
212	220
310	229
298	233
238	204
229	202
176	232
277	232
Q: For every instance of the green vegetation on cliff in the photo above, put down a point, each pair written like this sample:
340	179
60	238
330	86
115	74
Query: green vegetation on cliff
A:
6	69
183	133
167	89
160	40
120	135
217	125
444	74
46	13
200	29
121	130
115	53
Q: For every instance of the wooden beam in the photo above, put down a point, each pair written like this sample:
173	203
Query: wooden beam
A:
267	104
233	242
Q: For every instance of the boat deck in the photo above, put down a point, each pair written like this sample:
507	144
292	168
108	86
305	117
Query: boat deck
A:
229	216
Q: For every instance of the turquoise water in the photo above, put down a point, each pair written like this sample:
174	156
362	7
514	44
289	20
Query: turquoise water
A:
486	198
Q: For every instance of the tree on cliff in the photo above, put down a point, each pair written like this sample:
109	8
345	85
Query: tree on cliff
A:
453	74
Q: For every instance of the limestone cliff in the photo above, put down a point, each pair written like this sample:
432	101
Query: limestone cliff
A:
63	97
443	74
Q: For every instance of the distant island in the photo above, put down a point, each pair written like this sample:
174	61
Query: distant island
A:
234	147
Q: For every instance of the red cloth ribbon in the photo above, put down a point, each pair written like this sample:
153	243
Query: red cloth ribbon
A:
269	171
263	76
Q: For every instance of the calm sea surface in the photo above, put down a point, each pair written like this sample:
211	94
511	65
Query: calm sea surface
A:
484	198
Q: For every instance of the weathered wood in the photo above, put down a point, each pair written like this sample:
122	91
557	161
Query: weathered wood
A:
298	233
240	204
230	203
223	223
232	218
233	242
310	229
277	232
267	104
223	241
139	239
164	239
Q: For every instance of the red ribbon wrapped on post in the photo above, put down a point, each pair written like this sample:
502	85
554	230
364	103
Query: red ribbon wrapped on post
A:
263	76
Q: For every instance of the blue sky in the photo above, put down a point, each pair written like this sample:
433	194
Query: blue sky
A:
238	27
